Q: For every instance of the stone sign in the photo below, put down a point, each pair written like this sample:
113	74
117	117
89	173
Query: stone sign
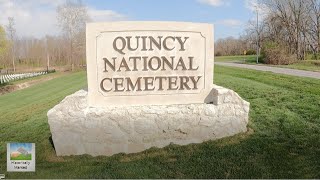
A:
150	84
144	63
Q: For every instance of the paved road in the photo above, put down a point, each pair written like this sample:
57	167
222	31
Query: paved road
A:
293	72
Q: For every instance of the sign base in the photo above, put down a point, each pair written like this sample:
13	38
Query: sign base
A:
79	129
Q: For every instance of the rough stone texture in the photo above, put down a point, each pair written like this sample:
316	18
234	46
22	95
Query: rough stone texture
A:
79	129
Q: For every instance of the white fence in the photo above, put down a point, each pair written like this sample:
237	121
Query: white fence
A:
13	77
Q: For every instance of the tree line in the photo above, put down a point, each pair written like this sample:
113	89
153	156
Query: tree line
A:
66	49
289	28
289	31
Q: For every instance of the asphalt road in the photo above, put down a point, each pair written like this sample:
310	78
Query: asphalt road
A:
293	72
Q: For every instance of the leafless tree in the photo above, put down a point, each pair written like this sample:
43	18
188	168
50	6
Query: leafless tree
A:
294	23
231	46
72	17
11	30
3	47
314	26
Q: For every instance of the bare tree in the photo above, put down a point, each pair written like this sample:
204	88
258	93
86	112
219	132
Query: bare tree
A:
72	17
288	19
314	26
3	47
44	52
289	27
11	30
231	46
65	49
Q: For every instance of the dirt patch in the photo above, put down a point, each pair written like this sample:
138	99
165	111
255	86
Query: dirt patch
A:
7	89
33	82
11	88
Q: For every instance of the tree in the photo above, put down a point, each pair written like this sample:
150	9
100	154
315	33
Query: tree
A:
3	41
3	46
11	30
314	31
72	17
288	22
231	46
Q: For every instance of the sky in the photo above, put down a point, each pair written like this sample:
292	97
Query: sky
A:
37	18
15	146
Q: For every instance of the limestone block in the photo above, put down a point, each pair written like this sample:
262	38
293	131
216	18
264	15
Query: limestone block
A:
79	129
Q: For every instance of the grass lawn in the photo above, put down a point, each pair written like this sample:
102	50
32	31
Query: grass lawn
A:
308	65
248	58
283	140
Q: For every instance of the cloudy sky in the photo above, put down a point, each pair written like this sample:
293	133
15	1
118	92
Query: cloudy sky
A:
37	18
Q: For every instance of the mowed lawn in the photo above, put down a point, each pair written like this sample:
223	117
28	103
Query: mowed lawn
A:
308	65
240	58
283	140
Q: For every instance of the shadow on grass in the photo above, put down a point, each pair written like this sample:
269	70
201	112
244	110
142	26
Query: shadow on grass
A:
255	156
51	142
4	84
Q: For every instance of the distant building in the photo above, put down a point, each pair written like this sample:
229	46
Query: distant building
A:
22	151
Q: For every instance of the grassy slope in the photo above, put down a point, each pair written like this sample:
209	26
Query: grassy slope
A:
307	65
284	116
249	58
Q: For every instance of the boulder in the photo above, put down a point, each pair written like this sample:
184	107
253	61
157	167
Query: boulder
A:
79	129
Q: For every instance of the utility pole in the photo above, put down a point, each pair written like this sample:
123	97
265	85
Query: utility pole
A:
258	48
48	62
48	57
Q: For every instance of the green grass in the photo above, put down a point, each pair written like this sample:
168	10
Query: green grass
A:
241	58
21	157
308	65
283	141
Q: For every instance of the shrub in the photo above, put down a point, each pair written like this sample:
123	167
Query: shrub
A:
274	53
251	52
218	54
316	63
315	56
51	71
